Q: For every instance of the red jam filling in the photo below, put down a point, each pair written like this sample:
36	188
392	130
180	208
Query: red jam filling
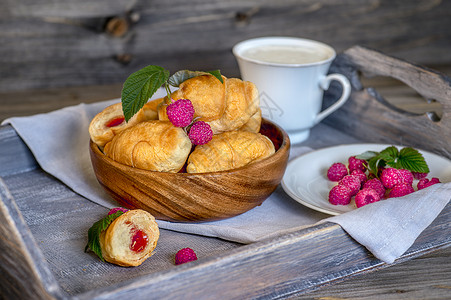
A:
114	122
139	240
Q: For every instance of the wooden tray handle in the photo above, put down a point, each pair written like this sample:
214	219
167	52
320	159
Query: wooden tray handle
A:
369	117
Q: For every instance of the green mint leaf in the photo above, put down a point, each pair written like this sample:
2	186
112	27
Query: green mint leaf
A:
374	163
406	158
367	155
217	74
389	154
96	229
412	160
378	160
180	76
139	87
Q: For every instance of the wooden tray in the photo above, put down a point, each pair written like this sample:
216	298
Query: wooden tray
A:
44	223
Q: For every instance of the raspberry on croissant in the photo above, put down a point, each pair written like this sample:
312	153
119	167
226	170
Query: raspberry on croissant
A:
130	239
229	150
224	106
151	145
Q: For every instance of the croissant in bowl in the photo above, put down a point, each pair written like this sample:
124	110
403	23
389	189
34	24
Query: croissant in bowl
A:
229	150
226	106
111	121
151	145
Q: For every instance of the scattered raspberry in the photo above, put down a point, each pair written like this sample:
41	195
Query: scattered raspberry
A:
352	182
376	185
360	174
424	182
391	177
337	171
355	163
116	209
185	255
200	133
401	189
340	195
180	112
418	175
366	196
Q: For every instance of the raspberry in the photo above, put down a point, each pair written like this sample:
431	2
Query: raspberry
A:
376	185
406	175
391	177
116	209
352	182
337	171
185	255
360	174
340	195
401	189
180	112
366	196
418	175
424	182
355	163
200	133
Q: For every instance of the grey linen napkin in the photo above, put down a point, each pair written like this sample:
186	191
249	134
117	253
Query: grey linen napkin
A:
59	141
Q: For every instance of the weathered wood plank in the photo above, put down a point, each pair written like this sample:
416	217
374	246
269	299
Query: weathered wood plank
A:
58	44
24	271
31	102
367	116
426	277
15	157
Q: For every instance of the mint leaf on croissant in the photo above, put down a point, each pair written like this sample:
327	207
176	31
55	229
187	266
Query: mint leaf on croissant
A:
140	86
96	229
180	76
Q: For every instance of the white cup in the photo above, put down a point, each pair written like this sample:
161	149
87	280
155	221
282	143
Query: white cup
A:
291	76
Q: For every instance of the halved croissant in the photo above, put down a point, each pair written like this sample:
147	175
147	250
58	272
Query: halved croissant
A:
229	150
110	121
151	145
130	239
225	107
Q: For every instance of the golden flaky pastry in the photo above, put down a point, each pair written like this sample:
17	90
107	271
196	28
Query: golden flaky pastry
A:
130	239
229	150
225	106
110	121
151	145
254	123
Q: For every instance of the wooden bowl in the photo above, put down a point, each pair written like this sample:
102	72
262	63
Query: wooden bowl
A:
185	197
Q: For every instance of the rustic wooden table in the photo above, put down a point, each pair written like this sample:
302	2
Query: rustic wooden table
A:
425	277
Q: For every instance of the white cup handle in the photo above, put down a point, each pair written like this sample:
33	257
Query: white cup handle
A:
324	83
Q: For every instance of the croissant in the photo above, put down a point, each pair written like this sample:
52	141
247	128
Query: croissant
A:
225	107
254	122
229	150
130	239
151	145
110	121
150	109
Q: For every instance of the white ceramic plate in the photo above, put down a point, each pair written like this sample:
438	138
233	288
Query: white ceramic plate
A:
305	178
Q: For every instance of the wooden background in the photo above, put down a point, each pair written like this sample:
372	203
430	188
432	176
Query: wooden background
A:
57	44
